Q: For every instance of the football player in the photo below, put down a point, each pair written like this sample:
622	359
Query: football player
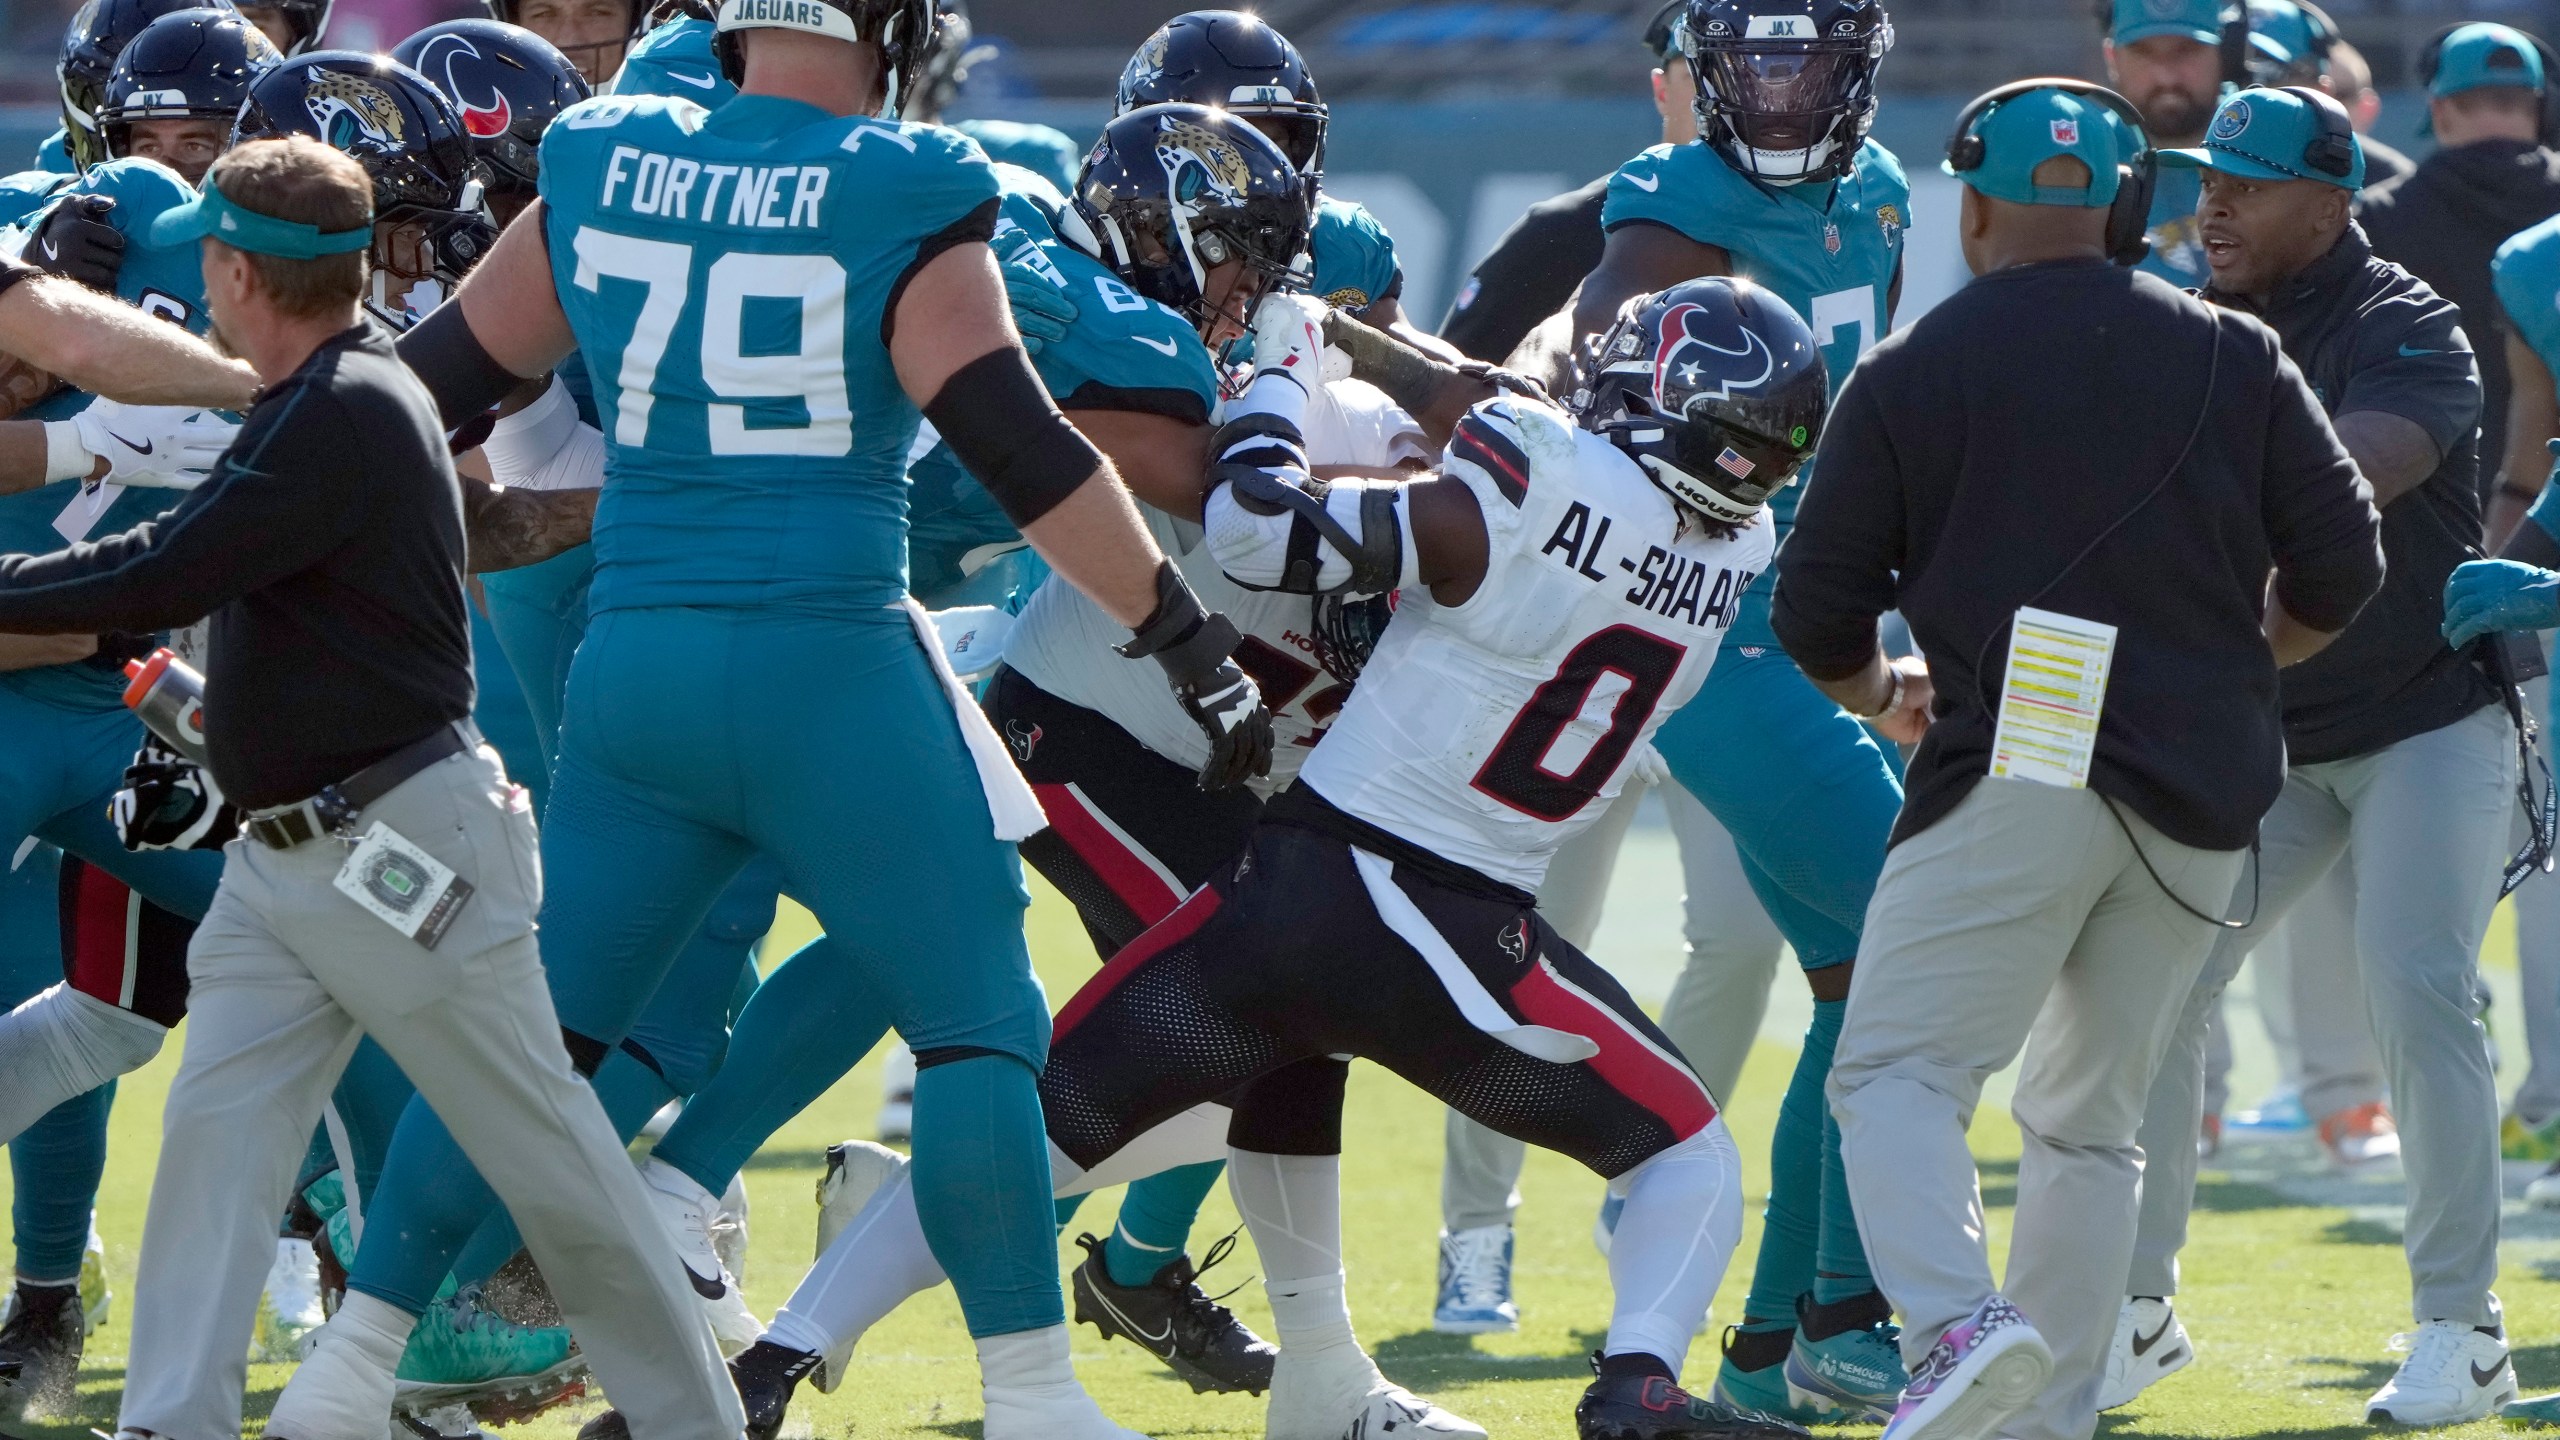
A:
750	574
1783	187
1384	904
177	87
594	34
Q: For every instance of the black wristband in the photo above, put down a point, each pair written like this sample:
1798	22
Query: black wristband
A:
458	370
997	417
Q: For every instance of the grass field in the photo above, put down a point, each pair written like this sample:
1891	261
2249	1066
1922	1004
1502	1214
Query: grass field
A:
2291	1301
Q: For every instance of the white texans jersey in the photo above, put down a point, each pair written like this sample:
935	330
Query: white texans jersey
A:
1062	642
1491	732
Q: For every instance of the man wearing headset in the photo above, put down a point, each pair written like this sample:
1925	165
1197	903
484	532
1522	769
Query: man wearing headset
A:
2057	900
2490	177
2402	752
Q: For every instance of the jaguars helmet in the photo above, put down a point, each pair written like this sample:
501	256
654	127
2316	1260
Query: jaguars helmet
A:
430	220
96	37
186	65
507	84
1171	191
945	67
903	29
1236	62
1786	88
1714	387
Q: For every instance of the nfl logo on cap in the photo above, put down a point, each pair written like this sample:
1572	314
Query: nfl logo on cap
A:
2066	132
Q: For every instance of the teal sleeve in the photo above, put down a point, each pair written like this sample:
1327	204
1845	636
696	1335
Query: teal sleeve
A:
2526	274
1124	352
1661	186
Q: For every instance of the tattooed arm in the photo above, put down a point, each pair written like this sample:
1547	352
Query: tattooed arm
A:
508	527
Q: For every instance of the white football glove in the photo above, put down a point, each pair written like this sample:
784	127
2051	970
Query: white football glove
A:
1288	337
160	447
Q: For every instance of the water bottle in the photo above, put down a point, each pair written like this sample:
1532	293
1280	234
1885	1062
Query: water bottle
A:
169	696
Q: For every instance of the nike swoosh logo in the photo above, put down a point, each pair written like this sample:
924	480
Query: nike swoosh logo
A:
1168	348
710	1289
2490	1375
704	82
2142	1343
138	448
2410	352
1136	1331
1647	184
49	251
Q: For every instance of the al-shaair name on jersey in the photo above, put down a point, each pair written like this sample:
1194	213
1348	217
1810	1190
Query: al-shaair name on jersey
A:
167	282
729	275
1492	731
1829	250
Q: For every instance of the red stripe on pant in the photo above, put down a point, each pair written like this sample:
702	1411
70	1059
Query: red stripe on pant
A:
1135	881
1632	1065
100	942
1181	925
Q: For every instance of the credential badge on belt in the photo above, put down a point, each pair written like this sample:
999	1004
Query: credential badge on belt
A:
403	886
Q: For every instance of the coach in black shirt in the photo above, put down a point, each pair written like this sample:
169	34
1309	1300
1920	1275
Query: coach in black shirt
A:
2403	758
386	880
2072	437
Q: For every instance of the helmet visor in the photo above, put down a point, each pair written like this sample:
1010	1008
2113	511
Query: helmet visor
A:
1782	99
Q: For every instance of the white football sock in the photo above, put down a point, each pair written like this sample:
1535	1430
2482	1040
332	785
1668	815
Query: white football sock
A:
1032	1393
61	1044
880	1259
377	1328
1293	1206
1674	1240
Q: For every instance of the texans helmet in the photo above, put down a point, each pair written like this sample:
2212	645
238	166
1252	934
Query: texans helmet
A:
1714	387
1786	88
430	222
1236	62
189	65
507	84
903	29
1173	191
96	37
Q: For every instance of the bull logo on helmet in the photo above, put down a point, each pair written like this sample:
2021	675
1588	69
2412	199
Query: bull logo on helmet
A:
1687	354
351	109
436	61
1198	161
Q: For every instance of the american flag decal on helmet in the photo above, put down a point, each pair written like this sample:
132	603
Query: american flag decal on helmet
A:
1733	463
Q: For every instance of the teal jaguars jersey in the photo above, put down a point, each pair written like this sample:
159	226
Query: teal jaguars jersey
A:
55	153
2526	273
728	275
23	194
2177	245
169	283
1830	251
1355	260
1123	352
1039	149
675	60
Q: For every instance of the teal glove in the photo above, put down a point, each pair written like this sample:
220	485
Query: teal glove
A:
2490	595
1041	311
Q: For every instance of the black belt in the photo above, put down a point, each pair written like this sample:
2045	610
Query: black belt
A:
334	809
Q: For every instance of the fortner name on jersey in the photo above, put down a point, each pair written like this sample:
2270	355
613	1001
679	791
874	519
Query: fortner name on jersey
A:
1490	732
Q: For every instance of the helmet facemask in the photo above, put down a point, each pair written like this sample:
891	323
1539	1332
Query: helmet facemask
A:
1785	112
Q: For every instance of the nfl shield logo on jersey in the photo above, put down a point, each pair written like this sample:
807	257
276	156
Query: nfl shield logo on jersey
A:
1830	238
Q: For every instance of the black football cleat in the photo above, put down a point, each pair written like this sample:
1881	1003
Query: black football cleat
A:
40	1348
765	1375
1654	1407
1173	1319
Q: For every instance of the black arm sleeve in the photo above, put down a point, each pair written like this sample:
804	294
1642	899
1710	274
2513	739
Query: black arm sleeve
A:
1530	274
286	494
996	416
458	370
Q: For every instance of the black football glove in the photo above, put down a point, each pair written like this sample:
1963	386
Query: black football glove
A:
1193	646
171	803
76	243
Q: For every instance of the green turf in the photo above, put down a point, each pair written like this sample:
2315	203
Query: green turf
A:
2291	1305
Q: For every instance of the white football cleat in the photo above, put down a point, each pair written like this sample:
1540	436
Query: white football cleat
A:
335	1394
688	1212
2455	1373
856	1170
453	1422
2150	1346
1336	1393
290	1310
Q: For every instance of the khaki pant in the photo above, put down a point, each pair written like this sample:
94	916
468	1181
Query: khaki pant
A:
287	973
2025	918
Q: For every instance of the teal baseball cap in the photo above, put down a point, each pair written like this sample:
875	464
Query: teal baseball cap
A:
2141	19
214	214
2475	57
2280	32
2025	131
2264	134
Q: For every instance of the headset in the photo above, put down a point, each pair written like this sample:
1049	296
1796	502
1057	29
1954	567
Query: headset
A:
2129	216
2332	152
2431	57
